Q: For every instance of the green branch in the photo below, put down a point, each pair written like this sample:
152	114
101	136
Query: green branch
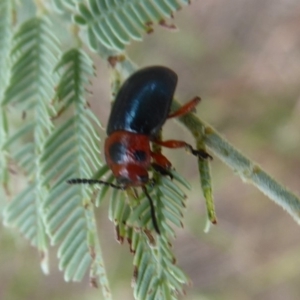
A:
248	170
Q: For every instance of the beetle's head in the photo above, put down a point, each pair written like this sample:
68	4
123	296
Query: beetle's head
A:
130	175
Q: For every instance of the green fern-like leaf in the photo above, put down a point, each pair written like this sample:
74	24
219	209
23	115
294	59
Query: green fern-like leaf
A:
5	38
65	8
62	6
71	152
31	88
114	23
22	214
155	274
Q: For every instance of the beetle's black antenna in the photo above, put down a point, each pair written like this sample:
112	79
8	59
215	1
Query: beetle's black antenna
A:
94	181
153	217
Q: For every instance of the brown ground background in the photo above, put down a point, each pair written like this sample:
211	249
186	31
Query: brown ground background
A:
243	58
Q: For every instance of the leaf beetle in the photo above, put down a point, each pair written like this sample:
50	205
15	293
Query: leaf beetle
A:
140	109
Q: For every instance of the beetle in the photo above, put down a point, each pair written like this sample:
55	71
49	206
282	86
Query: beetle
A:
140	109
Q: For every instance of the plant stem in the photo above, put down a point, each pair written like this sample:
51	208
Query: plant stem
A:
248	170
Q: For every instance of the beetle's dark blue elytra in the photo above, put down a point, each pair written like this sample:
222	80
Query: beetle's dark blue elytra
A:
143	103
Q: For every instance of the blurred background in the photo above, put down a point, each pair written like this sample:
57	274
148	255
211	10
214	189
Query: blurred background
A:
243	59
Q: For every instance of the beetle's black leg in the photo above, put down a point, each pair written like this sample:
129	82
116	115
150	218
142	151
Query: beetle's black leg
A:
161	170
199	153
152	209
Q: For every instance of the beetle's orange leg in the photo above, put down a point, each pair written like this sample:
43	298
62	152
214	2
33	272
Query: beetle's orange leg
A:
186	108
161	160
161	164
174	144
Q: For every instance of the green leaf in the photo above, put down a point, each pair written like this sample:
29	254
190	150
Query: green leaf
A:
5	45
31	87
206	185
113	24
72	151
64	6
153	257
5	38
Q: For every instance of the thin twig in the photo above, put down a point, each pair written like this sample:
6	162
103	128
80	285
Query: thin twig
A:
248	170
